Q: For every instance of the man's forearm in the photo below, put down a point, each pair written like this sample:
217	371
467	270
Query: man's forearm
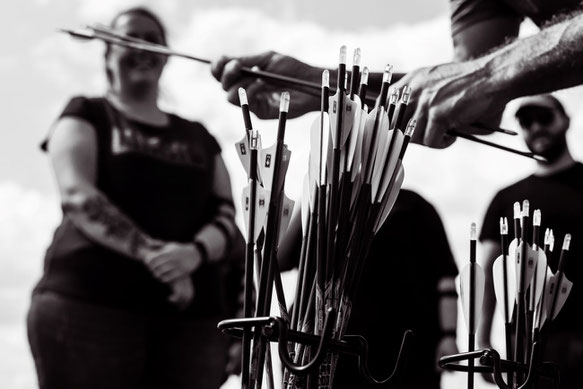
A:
548	61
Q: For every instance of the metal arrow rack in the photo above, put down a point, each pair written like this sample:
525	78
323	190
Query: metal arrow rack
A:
276	329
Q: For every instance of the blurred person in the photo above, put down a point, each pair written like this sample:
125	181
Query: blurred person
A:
490	69
134	279
408	283
556	188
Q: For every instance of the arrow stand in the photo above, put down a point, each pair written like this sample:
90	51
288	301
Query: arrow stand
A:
489	361
276	329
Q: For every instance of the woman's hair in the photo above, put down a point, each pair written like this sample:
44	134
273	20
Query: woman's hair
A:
140	11
145	12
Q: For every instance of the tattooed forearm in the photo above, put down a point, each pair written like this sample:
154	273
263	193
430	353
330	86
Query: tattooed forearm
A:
103	222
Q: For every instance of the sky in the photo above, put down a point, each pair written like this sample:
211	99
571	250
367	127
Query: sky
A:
41	69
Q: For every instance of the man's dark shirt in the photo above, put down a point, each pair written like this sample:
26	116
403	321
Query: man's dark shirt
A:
398	291
560	199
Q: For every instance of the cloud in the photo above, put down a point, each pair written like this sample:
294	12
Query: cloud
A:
26	227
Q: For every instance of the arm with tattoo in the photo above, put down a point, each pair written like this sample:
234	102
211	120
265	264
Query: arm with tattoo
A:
73	153
105	224
547	61
454	95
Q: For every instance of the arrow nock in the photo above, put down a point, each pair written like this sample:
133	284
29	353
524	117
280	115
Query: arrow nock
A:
326	79
364	77
243	97
284	102
536	218
356	57
567	242
503	226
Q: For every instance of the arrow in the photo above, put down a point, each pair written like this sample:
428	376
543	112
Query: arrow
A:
538	280
269	267
505	287
524	273
254	212
372	129
390	187
396	142
338	113
250	206
472	283
363	88
355	76
242	147
540	306
405	96
387	77
392	103
559	286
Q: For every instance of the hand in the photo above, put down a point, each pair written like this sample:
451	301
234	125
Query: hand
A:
446	346
173	261
182	292
449	96
264	95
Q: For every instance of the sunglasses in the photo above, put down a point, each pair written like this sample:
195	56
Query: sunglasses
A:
527	116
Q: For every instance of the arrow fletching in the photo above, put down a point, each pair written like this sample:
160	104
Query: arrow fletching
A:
560	285
261	203
390	197
531	258
505	305
391	164
465	294
354	134
381	155
287	208
359	146
539	280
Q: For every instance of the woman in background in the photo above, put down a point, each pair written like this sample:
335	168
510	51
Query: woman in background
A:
133	284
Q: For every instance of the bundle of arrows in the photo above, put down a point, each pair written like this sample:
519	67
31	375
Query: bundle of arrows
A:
354	175
529	296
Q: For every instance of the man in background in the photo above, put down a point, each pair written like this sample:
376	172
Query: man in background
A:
556	188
